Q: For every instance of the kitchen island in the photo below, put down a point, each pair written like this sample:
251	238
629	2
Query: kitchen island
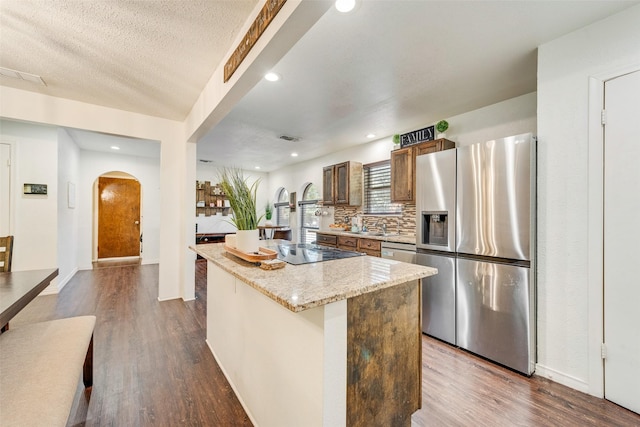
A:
331	343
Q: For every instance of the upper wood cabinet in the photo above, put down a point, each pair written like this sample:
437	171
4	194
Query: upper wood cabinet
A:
402	175
328	197
403	166
342	184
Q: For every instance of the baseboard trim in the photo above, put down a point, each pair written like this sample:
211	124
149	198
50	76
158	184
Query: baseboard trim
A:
561	378
122	258
233	386
63	282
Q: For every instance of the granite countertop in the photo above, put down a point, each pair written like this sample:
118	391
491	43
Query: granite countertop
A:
396	238
300	287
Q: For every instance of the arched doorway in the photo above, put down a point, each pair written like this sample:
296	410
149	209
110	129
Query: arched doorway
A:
118	228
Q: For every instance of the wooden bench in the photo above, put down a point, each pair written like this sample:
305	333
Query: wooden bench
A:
40	365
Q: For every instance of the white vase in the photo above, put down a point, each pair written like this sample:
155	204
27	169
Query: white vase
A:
247	241
442	135
268	222
230	240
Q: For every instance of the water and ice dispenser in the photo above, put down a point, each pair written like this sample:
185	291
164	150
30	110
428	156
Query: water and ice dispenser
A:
435	228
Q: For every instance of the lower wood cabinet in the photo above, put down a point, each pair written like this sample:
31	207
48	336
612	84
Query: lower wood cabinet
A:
348	243
327	240
370	247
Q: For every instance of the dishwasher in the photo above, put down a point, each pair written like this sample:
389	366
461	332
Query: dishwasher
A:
405	252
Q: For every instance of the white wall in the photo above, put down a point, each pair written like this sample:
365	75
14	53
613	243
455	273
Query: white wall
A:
220	223
174	280
564	68
147	172
510	117
68	172
35	217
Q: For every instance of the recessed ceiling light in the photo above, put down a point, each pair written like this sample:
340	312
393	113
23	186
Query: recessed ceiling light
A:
272	77
345	6
114	147
371	135
294	154
257	167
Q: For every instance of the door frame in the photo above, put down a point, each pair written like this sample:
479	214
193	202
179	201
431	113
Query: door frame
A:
12	181
595	235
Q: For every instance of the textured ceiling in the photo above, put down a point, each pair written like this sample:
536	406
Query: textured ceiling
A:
390	66
151	57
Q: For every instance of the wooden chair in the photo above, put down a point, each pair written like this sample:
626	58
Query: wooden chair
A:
6	250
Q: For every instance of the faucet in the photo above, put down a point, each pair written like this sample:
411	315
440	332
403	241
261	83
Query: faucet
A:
383	226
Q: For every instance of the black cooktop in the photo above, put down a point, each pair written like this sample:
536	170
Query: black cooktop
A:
305	253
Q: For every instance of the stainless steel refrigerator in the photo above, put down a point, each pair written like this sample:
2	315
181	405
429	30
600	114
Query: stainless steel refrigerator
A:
494	222
436	245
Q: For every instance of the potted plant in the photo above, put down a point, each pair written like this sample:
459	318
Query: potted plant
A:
242	199
442	127
268	213
396	140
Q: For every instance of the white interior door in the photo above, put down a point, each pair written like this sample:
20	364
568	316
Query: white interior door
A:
621	238
5	188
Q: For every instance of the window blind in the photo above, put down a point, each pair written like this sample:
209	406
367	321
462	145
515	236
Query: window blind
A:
309	221
281	208
308	206
377	189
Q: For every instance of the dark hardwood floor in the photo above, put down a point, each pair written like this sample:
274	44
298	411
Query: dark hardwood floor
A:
153	367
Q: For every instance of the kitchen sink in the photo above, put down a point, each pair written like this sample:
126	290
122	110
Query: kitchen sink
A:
373	233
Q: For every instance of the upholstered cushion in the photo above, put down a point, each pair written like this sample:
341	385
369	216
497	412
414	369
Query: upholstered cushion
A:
40	366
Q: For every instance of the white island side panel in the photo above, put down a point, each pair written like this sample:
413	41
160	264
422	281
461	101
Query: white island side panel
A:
287	369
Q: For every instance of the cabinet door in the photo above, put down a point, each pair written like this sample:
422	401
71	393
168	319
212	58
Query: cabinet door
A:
433	146
370	247
341	176
427	147
402	175
326	240
327	185
348	243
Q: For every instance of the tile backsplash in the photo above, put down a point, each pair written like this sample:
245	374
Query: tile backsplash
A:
407	220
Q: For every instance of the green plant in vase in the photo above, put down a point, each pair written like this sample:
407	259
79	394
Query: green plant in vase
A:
396	140
242	199
442	127
268	212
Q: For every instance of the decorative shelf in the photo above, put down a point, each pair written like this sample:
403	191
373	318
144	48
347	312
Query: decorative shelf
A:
210	199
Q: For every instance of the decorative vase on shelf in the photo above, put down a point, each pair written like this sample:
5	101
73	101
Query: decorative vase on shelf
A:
268	213
442	127
396	141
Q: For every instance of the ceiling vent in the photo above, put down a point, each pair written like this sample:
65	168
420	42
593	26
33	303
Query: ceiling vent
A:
20	75
289	138
205	161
